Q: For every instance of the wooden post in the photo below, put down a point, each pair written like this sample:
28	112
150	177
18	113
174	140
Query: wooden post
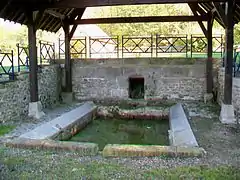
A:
209	64
229	53
32	58
68	68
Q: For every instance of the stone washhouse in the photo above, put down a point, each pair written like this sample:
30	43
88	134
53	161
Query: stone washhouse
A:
82	79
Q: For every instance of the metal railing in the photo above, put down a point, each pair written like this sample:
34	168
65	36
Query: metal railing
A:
138	46
104	47
6	66
171	44
199	45
47	52
78	48
23	57
142	46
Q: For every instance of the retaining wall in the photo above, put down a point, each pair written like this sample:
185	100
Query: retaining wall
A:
164	78
15	96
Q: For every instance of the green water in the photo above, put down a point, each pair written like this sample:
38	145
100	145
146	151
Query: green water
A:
115	131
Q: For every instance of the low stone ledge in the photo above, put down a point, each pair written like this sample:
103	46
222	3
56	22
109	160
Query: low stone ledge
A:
143	113
182	151
84	149
118	150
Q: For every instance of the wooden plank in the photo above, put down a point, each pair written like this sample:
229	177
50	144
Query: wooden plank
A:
139	19
229	54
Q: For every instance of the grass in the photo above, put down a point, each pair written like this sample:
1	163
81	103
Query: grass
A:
4	129
22	68
57	166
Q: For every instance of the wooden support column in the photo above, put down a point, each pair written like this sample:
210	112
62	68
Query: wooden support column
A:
68	67
32	58
209	64
229	53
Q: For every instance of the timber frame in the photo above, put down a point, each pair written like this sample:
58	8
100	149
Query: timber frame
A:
51	15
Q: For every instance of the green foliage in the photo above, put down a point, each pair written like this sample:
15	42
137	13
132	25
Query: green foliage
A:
237	34
147	28
10	37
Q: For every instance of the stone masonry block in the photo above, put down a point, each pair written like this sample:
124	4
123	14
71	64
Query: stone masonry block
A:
117	150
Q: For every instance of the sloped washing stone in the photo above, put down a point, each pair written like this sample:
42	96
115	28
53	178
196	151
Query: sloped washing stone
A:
65	125
180	133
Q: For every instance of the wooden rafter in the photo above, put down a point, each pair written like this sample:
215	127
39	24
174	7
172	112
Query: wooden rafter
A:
79	13
4	7
220	12
55	14
193	7
38	18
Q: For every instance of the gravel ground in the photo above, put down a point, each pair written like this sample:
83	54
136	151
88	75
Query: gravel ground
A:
221	142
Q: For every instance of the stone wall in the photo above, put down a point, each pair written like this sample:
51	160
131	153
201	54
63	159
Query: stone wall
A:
164	78
235	91
15	96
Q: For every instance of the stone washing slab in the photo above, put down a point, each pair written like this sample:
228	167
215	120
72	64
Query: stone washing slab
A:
67	122
180	133
127	150
84	149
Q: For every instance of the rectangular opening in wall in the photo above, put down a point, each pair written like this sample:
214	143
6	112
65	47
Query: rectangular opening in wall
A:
136	87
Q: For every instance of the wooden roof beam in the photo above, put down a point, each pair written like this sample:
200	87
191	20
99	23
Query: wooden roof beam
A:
139	19
92	3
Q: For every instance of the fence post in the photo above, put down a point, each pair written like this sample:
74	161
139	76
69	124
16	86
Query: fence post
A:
117	46
186	46
54	51
156	45
12	76
122	45
191	41
151	45
40	50
86	50
18	54
59	48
